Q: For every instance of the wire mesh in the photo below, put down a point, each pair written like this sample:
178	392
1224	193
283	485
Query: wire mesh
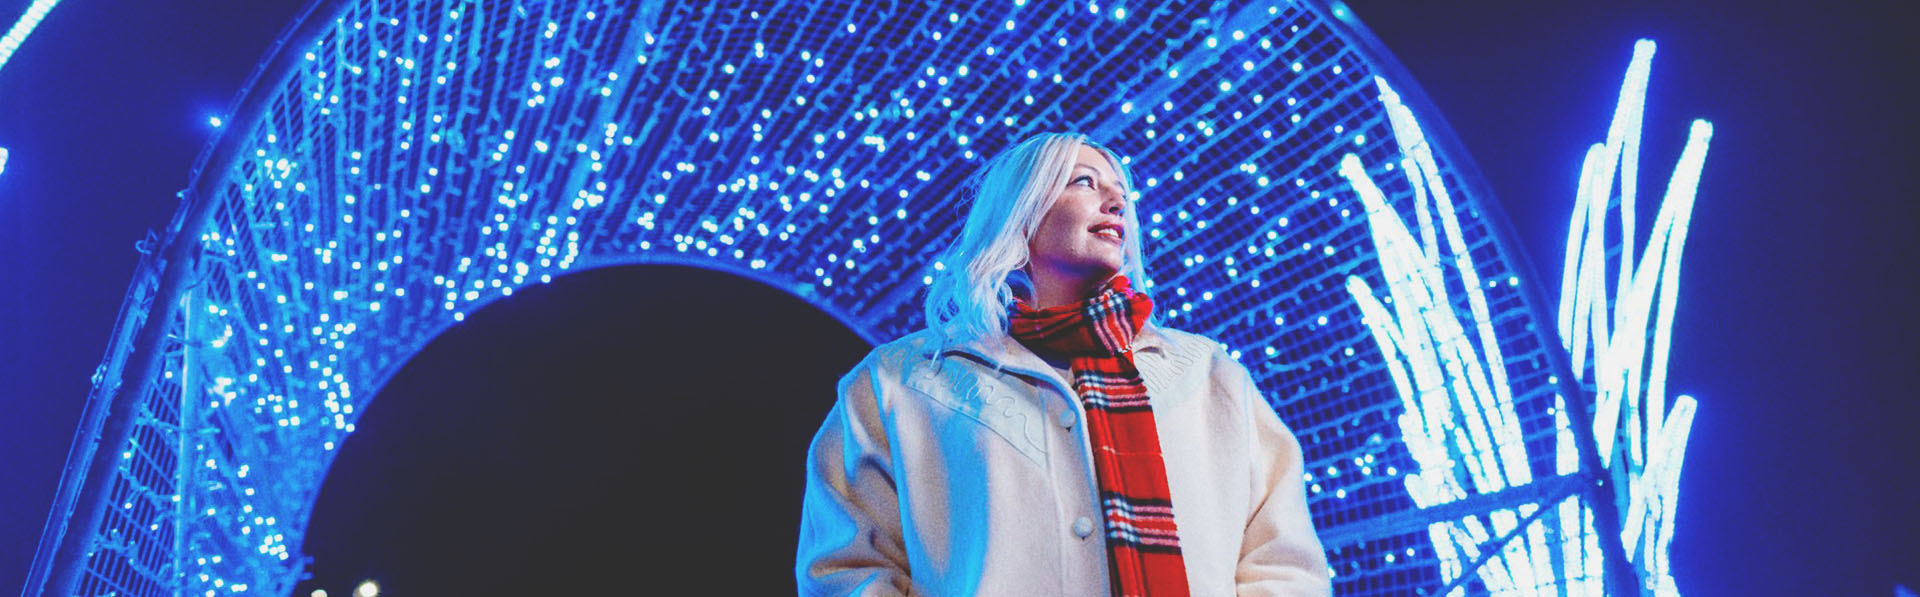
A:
423	159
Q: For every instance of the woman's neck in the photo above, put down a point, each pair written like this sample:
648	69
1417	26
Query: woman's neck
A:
1052	289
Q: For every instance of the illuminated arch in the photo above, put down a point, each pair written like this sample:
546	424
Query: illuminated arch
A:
394	166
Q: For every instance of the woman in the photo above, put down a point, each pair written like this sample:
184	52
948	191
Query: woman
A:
1042	437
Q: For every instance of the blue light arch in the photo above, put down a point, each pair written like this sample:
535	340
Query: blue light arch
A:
394	166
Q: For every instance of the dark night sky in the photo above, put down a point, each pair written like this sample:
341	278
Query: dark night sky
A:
1795	329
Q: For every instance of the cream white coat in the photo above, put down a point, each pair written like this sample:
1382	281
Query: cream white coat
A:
965	470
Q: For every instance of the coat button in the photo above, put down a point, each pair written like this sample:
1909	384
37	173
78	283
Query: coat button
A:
1066	418
1082	527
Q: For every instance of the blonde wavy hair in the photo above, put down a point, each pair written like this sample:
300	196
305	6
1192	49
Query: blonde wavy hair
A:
974	280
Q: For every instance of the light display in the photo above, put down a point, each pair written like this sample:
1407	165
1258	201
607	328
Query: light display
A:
1459	420
1641	438
17	34
395	166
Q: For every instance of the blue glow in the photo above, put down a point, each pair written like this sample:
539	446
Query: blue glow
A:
17	34
1621	343
1444	384
389	187
1452	384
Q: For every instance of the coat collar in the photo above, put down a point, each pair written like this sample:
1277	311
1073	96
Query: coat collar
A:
1004	352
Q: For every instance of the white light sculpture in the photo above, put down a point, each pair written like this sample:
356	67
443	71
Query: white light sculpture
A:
17	34
1630	382
1459	420
396	166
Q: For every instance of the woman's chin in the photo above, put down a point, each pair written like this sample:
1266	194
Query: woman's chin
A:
1101	275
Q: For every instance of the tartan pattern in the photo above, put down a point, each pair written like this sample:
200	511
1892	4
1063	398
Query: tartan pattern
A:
1096	336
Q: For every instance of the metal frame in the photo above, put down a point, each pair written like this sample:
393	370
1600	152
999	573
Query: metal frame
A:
165	274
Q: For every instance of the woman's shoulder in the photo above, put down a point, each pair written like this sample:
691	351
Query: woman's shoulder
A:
1181	343
1181	337
901	352
922	344
1194	354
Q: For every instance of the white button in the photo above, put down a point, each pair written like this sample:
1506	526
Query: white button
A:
1066	418
1082	527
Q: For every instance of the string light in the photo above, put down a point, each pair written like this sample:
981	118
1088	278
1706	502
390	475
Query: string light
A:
1449	380
1610	346
394	187
17	34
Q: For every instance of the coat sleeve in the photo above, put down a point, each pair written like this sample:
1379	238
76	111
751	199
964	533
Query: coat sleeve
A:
1279	554
850	541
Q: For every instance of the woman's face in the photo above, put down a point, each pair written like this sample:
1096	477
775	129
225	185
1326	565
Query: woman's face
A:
1081	239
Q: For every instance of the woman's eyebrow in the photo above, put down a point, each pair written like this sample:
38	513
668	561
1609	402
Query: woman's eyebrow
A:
1104	180
1096	172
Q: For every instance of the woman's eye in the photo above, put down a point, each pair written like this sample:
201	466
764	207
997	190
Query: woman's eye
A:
1084	180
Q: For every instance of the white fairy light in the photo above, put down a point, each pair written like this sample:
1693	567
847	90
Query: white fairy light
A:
1448	382
17	34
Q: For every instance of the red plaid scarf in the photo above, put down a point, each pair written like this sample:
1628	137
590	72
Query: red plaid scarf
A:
1096	335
